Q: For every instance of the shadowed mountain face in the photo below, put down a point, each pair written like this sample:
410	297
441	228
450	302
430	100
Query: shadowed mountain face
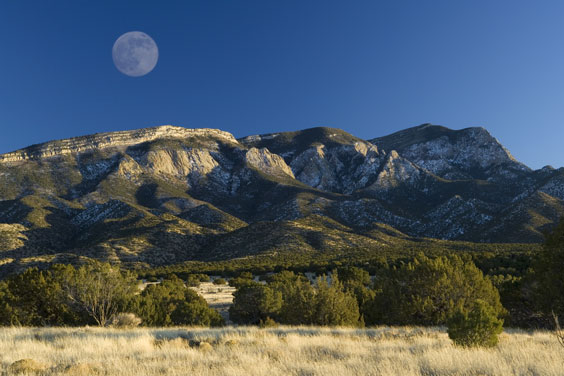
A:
167	194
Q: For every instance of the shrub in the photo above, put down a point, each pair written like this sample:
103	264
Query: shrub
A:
243	279
26	366
38	298
297	298
172	303
205	346
334	306
357	282
219	281
558	332
125	320
548	271
254	302
353	276
268	323
246	275
8	315
194	280
30	298
197	312
428	291
291	299
99	290
478	327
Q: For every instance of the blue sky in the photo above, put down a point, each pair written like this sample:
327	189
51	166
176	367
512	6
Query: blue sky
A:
248	67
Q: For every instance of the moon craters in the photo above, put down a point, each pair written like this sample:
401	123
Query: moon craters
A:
135	54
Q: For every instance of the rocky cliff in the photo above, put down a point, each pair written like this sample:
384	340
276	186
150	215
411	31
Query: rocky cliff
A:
100	141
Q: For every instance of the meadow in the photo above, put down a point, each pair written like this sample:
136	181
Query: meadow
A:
271	351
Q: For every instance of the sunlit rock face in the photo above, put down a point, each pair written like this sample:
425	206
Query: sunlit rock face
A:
338	168
265	161
470	153
396	171
192	162
113	140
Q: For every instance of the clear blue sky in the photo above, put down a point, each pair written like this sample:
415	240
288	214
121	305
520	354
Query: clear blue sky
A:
248	67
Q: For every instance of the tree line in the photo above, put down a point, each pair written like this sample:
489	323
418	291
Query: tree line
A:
426	291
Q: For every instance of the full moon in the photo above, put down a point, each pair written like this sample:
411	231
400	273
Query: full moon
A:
135	54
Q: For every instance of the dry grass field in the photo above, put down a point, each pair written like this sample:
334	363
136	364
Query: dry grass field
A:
276	351
218	297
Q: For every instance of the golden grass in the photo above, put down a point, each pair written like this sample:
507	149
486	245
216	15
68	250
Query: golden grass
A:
276	351
218	297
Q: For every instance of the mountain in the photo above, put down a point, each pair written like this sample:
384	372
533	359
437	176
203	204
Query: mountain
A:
167	194
470	153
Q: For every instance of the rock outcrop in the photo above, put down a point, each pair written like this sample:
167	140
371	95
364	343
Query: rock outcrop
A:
265	161
470	153
113	140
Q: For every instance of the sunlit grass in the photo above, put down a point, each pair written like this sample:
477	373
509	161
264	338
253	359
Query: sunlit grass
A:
276	351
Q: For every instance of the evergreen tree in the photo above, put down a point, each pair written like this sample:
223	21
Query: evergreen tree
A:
37	298
172	303
357	281
333	306
243	279
428	291
549	272
7	314
297	298
479	326
254	302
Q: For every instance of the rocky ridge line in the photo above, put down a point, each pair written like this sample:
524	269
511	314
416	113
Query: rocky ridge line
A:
111	139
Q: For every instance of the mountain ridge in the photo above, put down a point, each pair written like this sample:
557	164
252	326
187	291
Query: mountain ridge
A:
168	194
109	139
444	151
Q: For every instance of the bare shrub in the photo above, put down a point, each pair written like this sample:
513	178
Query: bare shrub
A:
81	369
557	329
26	366
205	346
268	323
99	289
231	342
178	343
125	320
